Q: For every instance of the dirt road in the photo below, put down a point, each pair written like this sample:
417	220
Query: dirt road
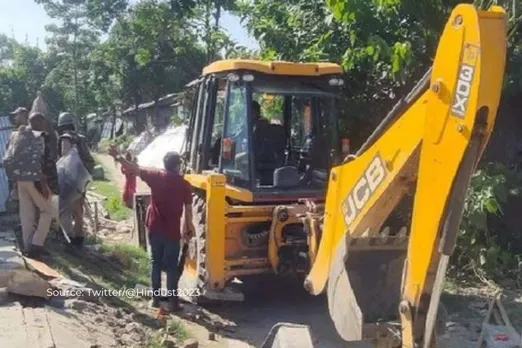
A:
275	302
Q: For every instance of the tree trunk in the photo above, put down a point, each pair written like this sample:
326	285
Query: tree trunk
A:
208	31
113	130
75	70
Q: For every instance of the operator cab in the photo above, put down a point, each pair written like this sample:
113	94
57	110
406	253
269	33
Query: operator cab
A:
270	128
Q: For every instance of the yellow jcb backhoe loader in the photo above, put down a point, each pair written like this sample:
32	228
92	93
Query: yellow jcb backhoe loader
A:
261	139
384	286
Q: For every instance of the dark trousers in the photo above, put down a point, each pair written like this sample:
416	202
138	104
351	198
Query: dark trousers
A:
164	255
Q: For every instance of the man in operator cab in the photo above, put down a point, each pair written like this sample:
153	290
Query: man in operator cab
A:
240	138
74	212
257	119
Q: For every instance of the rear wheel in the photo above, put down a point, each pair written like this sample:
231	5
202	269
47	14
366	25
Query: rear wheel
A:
195	274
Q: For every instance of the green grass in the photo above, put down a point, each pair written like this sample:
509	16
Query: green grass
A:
120	266
174	328
114	205
177	329
155	341
132	258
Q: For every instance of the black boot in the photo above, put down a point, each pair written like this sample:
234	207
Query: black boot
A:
174	305
154	302
77	242
35	252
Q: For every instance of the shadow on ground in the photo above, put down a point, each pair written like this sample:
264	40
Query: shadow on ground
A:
268	303
473	307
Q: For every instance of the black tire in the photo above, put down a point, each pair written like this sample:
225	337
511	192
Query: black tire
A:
197	245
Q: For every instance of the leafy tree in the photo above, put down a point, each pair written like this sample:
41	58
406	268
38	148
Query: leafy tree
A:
22	72
385	46
71	43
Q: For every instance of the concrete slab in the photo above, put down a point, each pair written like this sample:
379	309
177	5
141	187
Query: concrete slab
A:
37	327
48	327
10	260
27	283
12	324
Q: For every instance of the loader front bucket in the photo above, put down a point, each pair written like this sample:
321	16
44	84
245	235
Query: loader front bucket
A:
286	335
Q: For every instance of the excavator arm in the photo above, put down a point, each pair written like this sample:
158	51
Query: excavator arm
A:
426	149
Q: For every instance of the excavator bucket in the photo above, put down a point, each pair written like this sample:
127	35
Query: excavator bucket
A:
364	287
285	335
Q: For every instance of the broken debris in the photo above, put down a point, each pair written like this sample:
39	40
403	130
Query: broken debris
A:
23	282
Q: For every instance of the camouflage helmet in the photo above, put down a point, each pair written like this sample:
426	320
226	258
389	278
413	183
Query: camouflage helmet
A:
65	119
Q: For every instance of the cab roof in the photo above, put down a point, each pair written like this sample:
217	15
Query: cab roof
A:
273	68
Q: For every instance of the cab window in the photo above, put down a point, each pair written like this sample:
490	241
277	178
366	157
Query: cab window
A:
235	143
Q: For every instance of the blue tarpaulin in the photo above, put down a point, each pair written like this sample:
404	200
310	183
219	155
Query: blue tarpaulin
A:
5	133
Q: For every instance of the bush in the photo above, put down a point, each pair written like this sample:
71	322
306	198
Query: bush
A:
104	144
487	245
122	142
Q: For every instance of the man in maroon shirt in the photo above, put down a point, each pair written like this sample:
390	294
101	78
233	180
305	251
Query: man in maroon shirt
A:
170	195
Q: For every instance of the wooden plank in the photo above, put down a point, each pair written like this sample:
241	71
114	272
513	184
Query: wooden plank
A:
496	316
480	341
503	313
497	319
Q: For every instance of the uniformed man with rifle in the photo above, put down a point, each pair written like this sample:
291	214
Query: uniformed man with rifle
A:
73	213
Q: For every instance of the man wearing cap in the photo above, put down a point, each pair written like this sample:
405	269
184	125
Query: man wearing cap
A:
19	117
71	217
171	195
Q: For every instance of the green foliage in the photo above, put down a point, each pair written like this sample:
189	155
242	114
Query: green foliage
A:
104	144
178	330
152	48
117	211
385	46
123	141
272	108
486	245
174	328
130	257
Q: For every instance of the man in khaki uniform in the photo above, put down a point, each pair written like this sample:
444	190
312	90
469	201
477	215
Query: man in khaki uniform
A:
37	195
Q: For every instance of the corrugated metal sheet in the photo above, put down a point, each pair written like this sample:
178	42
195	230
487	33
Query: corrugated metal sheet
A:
171	140
140	143
107	127
5	132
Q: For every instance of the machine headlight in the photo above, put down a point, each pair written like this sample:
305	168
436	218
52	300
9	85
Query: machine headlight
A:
248	77
233	77
334	81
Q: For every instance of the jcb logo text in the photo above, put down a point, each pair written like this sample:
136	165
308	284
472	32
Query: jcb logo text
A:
460	101
373	176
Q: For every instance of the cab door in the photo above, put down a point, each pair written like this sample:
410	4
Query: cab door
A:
200	118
